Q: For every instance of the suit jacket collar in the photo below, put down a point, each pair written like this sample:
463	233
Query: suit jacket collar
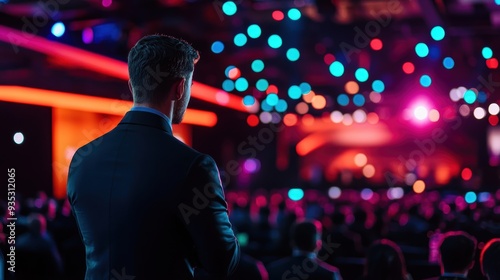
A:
147	119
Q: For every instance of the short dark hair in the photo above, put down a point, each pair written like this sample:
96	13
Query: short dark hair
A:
489	259
457	250
384	260
305	235
155	63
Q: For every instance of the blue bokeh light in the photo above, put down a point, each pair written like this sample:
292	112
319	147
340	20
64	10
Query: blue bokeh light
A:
422	49
217	47
305	87
425	80
281	106
240	39
437	33
337	69
58	29
361	74
378	86
274	41
254	31
272	99
257	65
487	53
228	85
292	54
262	84
229	8
358	100
294	14
294	92
295	194
343	99
470	96
448	62
265	106
248	100
470	197
241	84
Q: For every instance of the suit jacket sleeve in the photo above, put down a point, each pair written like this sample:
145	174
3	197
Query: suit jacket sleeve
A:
203	210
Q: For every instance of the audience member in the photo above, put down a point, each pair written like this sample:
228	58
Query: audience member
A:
457	251
249	269
490	259
37	256
385	261
304	264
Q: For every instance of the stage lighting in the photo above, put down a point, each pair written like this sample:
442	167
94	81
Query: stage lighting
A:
257	65
294	92
422	49
420	113
437	33
217	47
334	192
18	138
295	194
378	86
58	29
262	84
229	8
337	69
487	52
248	100
254	31
274	41
293	54
361	74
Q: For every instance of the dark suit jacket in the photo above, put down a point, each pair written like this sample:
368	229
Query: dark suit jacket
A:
302	267
149	206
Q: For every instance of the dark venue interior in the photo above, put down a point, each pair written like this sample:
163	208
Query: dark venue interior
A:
376	120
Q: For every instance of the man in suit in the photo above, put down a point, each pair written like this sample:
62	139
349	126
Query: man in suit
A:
457	251
147	205
304	264
489	259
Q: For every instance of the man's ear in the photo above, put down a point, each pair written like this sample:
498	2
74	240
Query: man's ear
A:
179	88
130	86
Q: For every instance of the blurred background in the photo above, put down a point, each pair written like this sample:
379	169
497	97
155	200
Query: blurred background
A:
334	102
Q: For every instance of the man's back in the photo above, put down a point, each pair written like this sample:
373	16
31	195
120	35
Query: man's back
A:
132	194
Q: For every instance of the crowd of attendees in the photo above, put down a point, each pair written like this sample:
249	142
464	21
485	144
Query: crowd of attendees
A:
417	236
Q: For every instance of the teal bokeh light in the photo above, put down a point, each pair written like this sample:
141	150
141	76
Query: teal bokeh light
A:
254	31
422	50
361	74
293	54
437	33
274	41
229	8
262	84
337	69
257	65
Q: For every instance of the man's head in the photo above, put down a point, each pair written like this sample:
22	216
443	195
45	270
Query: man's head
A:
457	252
161	71
306	236
37	224
489	259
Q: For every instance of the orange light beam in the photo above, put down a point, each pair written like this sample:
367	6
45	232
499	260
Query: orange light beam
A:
310	143
66	100
105	65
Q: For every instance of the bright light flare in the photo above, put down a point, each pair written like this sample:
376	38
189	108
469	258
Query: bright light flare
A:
420	113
